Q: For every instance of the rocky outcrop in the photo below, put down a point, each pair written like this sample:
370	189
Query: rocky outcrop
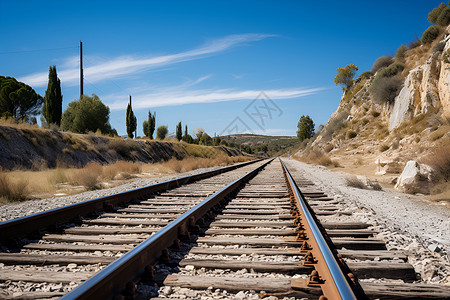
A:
426	86
415	178
444	78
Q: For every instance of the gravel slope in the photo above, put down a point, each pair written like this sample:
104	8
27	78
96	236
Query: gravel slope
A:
406	222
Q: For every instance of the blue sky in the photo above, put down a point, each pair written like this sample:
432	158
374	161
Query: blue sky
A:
204	62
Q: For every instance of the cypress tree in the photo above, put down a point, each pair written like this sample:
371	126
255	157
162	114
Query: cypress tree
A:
179	132
131	121
151	124
52	109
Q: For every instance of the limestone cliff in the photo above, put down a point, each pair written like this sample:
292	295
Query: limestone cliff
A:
382	136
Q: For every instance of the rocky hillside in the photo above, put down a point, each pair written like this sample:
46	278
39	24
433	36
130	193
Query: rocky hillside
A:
27	147
377	138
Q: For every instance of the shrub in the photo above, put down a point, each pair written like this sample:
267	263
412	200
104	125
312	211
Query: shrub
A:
444	17
435	13
335	124
365	75
439	47
355	182
161	132
122	168
414	43
121	146
351	134
401	53
430	34
13	191
392	70
439	160
385	89
87	176
384	148
381	62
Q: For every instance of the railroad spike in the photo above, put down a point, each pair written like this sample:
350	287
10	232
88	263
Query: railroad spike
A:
302	235
309	259
305	246
314	279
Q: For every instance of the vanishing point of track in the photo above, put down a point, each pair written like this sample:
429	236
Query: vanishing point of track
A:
245	228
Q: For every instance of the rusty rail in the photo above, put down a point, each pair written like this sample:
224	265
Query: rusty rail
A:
16	228
328	275
121	274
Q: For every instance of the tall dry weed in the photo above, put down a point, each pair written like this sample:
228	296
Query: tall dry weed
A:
13	190
193	163
121	170
89	176
439	160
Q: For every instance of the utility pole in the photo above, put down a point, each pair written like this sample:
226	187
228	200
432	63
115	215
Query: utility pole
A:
81	69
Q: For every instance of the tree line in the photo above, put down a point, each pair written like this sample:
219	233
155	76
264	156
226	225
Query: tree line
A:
20	102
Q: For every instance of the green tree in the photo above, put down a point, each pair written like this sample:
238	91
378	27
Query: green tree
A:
205	139
151	124
145	127
52	108
305	128
179	132
161	132
435	13
345	76
187	137
87	114
18	100
131	121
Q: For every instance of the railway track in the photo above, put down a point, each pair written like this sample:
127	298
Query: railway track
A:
223	240
45	255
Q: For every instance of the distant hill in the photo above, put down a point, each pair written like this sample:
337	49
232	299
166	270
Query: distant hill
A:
274	145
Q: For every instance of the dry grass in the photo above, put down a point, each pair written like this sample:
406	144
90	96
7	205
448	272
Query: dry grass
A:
121	170
355	182
13	190
193	163
317	157
439	160
89	176
440	132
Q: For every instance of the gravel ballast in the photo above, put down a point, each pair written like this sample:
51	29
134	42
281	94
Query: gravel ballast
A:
406	222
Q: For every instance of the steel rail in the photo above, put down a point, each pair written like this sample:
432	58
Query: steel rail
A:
13	229
335	284
112	280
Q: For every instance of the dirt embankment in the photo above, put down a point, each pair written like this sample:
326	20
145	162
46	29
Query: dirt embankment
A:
34	148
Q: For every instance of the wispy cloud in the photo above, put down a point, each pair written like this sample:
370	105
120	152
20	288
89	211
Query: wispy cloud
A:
126	65
182	94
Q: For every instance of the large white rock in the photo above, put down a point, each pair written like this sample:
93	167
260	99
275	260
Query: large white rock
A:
426	86
415	178
444	79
